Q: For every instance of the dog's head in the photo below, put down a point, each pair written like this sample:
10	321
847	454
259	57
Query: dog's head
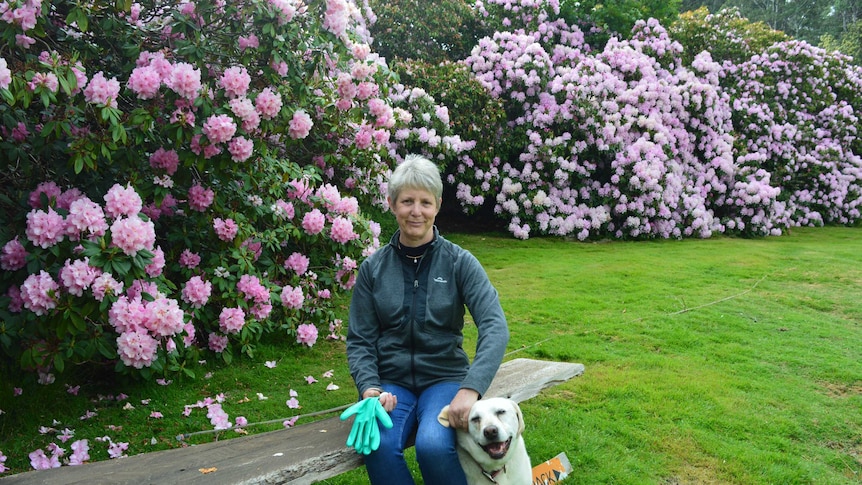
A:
494	424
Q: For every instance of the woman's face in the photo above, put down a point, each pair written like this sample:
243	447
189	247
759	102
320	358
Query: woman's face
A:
415	211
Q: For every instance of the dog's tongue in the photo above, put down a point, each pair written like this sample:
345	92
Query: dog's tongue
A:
497	450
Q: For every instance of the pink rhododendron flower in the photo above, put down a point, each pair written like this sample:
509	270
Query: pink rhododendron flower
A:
154	269
240	149
241	421
248	42
65	200
300	124
39	293
268	103
306	334
185	80
45	229
366	90
251	288
51	191
217	343
122	201
313	222
200	198
231	320
128	314
106	284
283	209
145	81
310	379
20	132
167	160
85	217
156	415
218	417
337	17
285	10
332	387
292	297
243	108
80	453
225	229
132	234
270	364
235	81
342	230
117	450
288	423
279	67
137	349
13	256
166	317
189	259
219	128
78	276
40	461
5	74
140	287
102	91
297	262
48	81
197	292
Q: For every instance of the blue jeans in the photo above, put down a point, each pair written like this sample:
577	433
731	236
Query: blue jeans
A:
435	444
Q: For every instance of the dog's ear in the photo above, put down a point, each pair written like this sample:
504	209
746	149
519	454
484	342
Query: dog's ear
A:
520	416
443	417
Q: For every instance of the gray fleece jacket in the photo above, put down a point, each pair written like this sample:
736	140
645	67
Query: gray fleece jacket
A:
405	322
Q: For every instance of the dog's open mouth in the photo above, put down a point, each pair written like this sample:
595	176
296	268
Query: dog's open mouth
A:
498	449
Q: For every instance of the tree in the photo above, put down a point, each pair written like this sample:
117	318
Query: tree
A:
616	17
849	42
726	35
422	30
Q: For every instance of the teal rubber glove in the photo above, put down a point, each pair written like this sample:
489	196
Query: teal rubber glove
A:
365	434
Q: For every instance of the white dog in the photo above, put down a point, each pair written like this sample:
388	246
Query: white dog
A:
492	449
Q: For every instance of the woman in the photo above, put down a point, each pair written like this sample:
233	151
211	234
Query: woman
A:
404	340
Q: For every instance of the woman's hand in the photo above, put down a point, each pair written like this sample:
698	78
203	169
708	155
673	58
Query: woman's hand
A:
387	400
459	408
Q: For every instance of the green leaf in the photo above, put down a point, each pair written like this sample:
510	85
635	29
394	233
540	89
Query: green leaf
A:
59	362
78	321
122	267
83	22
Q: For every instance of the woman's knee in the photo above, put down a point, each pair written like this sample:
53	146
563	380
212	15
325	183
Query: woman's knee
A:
434	447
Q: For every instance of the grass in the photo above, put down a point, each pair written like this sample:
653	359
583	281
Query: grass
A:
707	361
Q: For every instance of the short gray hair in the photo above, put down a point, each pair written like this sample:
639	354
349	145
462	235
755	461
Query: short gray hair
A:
416	172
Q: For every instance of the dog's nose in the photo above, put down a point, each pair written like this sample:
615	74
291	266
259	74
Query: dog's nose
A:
491	432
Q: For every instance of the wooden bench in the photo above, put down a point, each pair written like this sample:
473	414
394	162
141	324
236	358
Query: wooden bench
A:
300	455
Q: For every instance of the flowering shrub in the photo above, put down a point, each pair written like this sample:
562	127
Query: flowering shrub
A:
186	178
644	140
796	114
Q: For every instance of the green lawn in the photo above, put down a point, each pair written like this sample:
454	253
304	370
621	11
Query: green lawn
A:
707	361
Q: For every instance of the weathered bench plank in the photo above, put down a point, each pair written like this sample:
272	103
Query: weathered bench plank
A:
300	455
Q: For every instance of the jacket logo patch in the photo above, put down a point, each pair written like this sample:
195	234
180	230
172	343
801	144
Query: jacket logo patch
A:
440	280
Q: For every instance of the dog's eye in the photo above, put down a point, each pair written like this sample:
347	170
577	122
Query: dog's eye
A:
501	412
475	419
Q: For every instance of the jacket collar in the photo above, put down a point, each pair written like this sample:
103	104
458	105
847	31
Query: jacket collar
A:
394	240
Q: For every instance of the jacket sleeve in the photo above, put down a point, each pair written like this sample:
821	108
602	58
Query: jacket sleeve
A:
483	303
363	332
